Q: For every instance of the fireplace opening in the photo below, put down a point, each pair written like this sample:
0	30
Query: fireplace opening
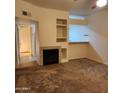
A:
50	56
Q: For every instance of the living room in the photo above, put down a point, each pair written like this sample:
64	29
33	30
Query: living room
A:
58	41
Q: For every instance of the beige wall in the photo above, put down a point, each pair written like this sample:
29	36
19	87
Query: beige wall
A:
21	5
92	54
47	21
78	22
78	50
98	33
48	27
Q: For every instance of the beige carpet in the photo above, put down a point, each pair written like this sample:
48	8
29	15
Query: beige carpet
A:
76	76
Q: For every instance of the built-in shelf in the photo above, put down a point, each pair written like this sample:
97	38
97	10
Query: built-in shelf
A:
61	21
64	54
61	26
61	36
61	40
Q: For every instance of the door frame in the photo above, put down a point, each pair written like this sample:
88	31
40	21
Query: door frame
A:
37	47
17	49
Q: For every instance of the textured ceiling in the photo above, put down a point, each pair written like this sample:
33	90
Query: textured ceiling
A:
75	7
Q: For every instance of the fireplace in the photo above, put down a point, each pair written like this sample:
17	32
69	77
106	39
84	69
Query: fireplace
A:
50	56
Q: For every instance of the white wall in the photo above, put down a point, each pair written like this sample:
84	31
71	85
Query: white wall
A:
98	33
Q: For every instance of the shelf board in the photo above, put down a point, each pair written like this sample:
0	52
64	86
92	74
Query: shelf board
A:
61	37
61	25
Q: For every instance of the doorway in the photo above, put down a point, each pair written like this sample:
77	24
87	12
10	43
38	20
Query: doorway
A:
26	44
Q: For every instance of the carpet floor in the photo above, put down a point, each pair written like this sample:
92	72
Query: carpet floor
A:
76	76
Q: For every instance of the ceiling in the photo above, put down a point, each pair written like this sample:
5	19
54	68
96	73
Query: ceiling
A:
75	7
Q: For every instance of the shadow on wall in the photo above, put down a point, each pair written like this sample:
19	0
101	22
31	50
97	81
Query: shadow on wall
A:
98	35
98	45
93	55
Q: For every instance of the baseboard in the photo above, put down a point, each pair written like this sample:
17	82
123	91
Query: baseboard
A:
85	58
